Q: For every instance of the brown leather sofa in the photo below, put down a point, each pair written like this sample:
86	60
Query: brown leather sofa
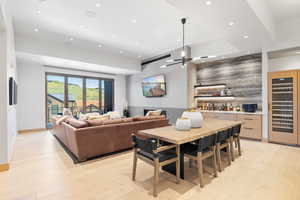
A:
94	141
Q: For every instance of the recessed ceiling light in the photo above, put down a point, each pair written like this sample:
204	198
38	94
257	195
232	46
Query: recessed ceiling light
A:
231	23
71	39
134	21
99	45
90	13
208	3
38	12
36	30
98	5
121	52
246	36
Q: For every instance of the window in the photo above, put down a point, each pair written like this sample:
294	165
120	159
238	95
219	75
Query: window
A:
93	94
79	94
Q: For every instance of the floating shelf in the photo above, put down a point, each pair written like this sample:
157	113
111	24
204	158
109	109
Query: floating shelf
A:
210	87
216	98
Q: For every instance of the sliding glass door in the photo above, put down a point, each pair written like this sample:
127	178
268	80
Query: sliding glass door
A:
93	95
55	100
75	95
79	94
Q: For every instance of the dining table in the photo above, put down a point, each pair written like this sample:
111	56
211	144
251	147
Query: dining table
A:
171	135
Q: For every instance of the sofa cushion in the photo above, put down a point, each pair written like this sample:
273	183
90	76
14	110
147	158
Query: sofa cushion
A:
113	121
77	123
127	120
95	122
140	118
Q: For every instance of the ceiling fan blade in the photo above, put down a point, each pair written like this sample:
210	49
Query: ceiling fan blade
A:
173	60
171	64
188	59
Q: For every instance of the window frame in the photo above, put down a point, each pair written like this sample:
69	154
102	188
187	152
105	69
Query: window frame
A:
84	90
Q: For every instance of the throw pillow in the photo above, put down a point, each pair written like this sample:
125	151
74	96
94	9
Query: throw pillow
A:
154	113
67	112
77	123
61	120
156	117
114	115
87	115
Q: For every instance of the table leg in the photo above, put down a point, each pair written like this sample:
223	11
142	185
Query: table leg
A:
171	168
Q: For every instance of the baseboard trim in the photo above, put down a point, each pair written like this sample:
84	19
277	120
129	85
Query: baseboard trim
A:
4	167
31	130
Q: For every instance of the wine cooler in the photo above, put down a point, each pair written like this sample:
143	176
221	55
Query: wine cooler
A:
283	107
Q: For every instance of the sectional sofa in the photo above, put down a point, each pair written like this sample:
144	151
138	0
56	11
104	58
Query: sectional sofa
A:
88	139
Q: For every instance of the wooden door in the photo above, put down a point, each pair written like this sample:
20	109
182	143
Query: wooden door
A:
283	100
298	107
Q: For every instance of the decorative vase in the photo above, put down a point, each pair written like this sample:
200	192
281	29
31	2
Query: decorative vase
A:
195	117
183	124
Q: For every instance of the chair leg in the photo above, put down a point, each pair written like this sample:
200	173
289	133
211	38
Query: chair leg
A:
215	162
228	153
190	163
239	145
134	164
200	169
155	178
178	164
177	171
231	148
219	157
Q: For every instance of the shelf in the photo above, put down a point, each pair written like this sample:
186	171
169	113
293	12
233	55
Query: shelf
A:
217	98
210	87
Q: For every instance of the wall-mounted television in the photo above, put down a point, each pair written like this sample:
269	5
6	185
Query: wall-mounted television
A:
154	86
13	91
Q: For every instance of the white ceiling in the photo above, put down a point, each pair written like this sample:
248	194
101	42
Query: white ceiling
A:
283	10
141	29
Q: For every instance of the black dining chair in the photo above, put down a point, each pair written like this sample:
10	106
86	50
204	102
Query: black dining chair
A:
235	138
223	142
200	150
157	156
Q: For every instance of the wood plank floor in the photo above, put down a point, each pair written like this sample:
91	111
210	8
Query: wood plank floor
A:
42	170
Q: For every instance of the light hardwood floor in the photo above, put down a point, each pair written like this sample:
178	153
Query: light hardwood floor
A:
42	170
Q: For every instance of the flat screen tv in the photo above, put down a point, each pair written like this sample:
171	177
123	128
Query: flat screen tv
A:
154	86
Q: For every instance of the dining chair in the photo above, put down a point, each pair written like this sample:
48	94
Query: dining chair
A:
223	142
157	156
202	149
235	138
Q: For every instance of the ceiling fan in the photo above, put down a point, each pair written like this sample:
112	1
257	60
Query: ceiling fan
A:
183	60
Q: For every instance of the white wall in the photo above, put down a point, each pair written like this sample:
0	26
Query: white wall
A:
284	63
7	69
176	83
31	98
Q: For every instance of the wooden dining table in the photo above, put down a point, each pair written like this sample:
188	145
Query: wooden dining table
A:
171	135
